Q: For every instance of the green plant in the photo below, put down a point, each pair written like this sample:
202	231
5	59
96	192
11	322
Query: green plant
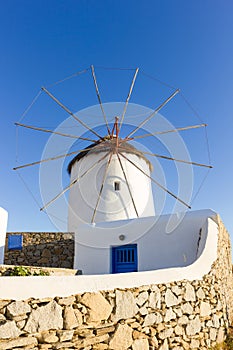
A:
229	342
41	273
226	345
20	271
25	271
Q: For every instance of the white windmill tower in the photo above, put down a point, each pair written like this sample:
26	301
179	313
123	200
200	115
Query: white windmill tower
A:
110	182
113	183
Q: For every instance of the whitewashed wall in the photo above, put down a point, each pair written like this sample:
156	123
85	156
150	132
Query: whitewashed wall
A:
3	227
113	205
51	286
157	249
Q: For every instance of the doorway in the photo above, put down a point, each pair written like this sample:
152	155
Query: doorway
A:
124	258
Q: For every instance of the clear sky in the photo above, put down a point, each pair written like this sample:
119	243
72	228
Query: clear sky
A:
188	44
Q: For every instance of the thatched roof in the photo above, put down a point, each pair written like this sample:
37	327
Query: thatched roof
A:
105	146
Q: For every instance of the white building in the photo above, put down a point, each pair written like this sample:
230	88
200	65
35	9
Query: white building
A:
111	211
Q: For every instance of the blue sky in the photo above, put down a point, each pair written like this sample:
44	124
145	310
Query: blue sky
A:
185	43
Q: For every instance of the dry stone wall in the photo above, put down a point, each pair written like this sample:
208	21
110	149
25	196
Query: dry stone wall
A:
44	249
178	315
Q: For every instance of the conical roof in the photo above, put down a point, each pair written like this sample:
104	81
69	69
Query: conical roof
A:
109	144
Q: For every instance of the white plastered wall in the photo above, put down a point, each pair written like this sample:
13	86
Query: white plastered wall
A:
3	227
113	205
157	249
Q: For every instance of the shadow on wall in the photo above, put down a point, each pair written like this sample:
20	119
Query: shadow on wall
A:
44	249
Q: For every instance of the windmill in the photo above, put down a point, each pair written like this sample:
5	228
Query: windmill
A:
121	174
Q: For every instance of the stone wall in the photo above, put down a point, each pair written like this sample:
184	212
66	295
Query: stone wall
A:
44	249
178	315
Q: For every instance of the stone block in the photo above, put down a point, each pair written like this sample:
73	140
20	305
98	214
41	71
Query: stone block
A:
45	346
213	334
66	301
176	290
48	337
142	298
216	322
195	344
45	318
4	303
200	293
100	346
166	333
155	298
137	335
63	345
122	339
140	344
152	319
19	342
99	307
170	298
143	310
170	315
125	305
9	330
70	319
17	308
2	318
205	309
183	320
65	335
21	324
105	330
95	340
187	309
221	335
189	294
194	326
164	346
179	330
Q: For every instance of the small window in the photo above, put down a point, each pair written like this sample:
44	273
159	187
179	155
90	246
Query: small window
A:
117	185
15	242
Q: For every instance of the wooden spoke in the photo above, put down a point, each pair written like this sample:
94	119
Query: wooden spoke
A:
102	186
153	113
127	183
168	131
128	97
99	98
177	160
156	182
54	132
73	183
70	113
53	158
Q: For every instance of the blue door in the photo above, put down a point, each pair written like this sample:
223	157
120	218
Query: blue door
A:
124	258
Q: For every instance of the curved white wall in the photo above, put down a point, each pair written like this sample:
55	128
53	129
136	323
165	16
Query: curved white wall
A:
113	205
156	248
21	288
3	227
